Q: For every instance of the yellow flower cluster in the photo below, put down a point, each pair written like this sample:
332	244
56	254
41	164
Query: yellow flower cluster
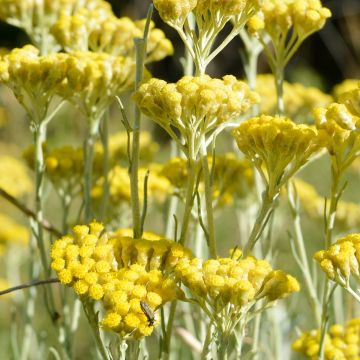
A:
84	260
206	11
341	260
158	187
299	100
11	232
351	99
231	177
341	342
145	267
122	272
194	105
124	314
277	147
347	213
37	17
338	125
34	79
99	31
150	251
345	86
278	17
228	288
93	80
14	178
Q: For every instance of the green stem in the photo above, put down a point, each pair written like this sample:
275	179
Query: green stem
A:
88	170
105	145
304	263
223	346
94	323
267	207
330	221
279	84
189	200
39	139
206	352
167	336
208	200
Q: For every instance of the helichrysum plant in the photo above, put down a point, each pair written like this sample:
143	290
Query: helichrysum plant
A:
133	239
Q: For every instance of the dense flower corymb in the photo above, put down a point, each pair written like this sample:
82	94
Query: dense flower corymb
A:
194	105
97	31
277	145
34	79
341	342
120	272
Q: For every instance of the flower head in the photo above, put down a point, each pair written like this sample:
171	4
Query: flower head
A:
231	286
37	17
84	260
277	146
93	79
194	104
338	126
98	31
341	342
341	260
34	79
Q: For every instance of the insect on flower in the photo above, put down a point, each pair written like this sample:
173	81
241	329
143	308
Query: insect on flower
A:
148	312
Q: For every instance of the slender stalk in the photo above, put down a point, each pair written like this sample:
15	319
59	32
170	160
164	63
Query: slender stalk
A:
304	263
208	200
206	353
105	145
89	144
45	223
140	50
93	322
29	285
279	84
169	327
267	207
189	200
330	221
39	139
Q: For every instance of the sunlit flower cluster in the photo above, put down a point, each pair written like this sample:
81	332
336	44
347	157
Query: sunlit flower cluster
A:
227	288
34	79
37	17
338	125
11	233
277	147
97	31
194	105
299	100
345	86
341	342
14	178
278	17
341	260
93	80
120	271
84	260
